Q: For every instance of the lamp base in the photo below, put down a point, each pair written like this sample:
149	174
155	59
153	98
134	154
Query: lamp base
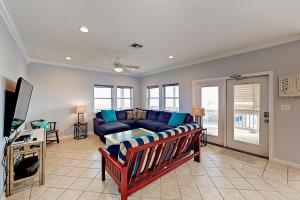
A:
198	120
82	118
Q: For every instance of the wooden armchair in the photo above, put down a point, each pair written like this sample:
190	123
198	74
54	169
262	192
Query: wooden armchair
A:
52	130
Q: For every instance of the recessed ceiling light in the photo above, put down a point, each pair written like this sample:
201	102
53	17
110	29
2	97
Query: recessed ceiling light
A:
68	58
170	57
84	29
118	69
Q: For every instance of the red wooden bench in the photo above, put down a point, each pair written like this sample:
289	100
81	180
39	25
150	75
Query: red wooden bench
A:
186	147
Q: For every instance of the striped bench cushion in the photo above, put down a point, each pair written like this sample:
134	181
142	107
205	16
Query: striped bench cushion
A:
125	145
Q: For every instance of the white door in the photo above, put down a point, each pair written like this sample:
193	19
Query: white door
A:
212	97
248	115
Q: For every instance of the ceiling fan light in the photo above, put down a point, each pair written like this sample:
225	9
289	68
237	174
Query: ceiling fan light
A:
118	69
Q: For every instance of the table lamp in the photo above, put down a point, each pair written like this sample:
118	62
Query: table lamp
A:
198	113
80	110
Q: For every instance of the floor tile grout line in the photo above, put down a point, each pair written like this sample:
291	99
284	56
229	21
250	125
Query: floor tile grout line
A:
265	168
214	185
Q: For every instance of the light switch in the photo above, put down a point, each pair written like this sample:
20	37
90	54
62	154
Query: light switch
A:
285	107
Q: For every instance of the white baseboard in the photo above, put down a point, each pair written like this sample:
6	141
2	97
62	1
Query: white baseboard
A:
284	162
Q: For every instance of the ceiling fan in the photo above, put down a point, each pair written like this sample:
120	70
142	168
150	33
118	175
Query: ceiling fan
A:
120	67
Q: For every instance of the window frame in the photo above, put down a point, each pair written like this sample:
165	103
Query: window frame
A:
131	96
111	94
149	98
174	98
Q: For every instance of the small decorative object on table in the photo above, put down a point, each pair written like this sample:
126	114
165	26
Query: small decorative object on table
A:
199	113
80	130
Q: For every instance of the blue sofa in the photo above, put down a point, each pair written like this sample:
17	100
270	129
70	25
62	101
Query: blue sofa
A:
155	121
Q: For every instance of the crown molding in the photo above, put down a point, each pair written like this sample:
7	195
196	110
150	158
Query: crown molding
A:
252	48
32	61
8	20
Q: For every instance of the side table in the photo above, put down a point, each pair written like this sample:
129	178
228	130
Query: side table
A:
80	130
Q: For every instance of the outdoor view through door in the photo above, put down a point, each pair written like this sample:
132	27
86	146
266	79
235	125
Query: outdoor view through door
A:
236	112
210	101
246	113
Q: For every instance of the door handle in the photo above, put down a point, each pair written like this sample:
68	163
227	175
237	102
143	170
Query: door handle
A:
266	114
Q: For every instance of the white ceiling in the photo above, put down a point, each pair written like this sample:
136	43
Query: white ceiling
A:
191	30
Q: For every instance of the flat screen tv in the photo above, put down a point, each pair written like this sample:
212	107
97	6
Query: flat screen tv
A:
16	107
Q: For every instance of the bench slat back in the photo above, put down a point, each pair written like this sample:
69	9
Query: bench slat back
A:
143	161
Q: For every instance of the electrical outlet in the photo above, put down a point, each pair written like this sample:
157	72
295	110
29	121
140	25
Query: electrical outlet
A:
285	107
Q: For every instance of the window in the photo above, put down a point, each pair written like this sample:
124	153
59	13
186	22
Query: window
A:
124	97
171	97
102	97
153	97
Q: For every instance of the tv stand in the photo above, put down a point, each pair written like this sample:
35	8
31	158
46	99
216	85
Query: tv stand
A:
24	149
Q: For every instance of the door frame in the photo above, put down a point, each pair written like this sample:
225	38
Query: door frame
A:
221	83
270	74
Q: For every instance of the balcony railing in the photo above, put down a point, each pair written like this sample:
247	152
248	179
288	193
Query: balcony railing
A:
243	119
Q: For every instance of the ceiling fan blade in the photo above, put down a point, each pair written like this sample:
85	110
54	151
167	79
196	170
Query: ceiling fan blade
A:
131	66
118	64
126	70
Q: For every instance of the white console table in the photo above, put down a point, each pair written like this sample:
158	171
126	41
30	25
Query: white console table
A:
21	149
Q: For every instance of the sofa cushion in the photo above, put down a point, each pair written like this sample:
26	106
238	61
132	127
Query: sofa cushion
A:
164	117
109	115
99	115
121	115
188	119
131	123
176	119
164	127
153	115
113	127
149	124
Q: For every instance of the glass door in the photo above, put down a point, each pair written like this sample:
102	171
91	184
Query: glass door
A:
212	94
210	101
247	115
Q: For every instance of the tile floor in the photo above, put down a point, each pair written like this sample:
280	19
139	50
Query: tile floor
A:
73	172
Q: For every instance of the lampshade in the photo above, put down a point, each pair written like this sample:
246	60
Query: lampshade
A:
198	111
80	109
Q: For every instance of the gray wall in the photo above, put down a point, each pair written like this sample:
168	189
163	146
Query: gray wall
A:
58	89
12	66
283	60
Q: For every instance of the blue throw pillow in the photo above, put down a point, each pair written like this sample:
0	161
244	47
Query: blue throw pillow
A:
109	115
176	119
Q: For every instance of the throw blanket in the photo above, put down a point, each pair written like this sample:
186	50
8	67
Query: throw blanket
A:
125	145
